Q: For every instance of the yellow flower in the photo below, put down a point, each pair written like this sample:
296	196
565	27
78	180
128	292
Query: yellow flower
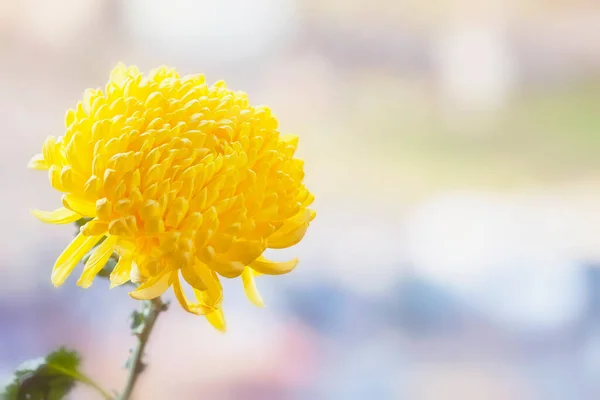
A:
185	182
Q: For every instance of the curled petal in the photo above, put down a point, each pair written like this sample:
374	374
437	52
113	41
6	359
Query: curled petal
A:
54	176
213	295
292	231
269	267
290	139
121	273
94	227
194	308
59	216
193	277
246	251
179	294
217	319
287	238
97	261
241	253
118	74
38	162
71	256
79	205
228	269
51	151
153	287
250	288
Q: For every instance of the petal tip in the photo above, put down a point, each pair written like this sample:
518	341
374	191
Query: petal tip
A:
259	304
84	284
38	162
199	309
59	216
221	328
114	285
57	279
136	296
217	320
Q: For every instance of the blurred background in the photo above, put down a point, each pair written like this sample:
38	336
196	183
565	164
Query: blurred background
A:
454	151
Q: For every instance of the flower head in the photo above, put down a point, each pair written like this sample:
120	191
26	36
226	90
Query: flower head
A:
185	182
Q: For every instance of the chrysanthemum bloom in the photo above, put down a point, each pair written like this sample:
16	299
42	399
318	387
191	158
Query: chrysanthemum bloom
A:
185	182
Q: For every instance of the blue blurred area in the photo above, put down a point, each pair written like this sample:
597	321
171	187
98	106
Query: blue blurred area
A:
425	322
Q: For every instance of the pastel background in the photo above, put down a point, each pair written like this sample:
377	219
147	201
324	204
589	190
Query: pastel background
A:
454	151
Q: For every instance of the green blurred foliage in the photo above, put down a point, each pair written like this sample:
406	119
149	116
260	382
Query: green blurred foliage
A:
45	378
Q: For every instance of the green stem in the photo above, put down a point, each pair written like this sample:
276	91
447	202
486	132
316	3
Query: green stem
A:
154	308
81	378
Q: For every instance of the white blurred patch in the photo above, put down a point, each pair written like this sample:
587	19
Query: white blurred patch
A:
225	30
360	252
506	256
56	23
475	66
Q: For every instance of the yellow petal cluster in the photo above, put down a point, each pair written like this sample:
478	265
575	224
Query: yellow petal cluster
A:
186	182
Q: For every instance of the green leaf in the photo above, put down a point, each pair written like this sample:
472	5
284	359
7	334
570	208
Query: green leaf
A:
67	359
48	378
137	321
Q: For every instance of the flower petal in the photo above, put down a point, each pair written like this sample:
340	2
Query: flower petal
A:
118	74
97	261
213	295
269	267
95	227
179	294
292	231
250	288
79	205
51	151
59	216
194	308
153	287
228	269
240	254
71	256
121	273
54	177
285	239
192	276
217	319
290	139
38	162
